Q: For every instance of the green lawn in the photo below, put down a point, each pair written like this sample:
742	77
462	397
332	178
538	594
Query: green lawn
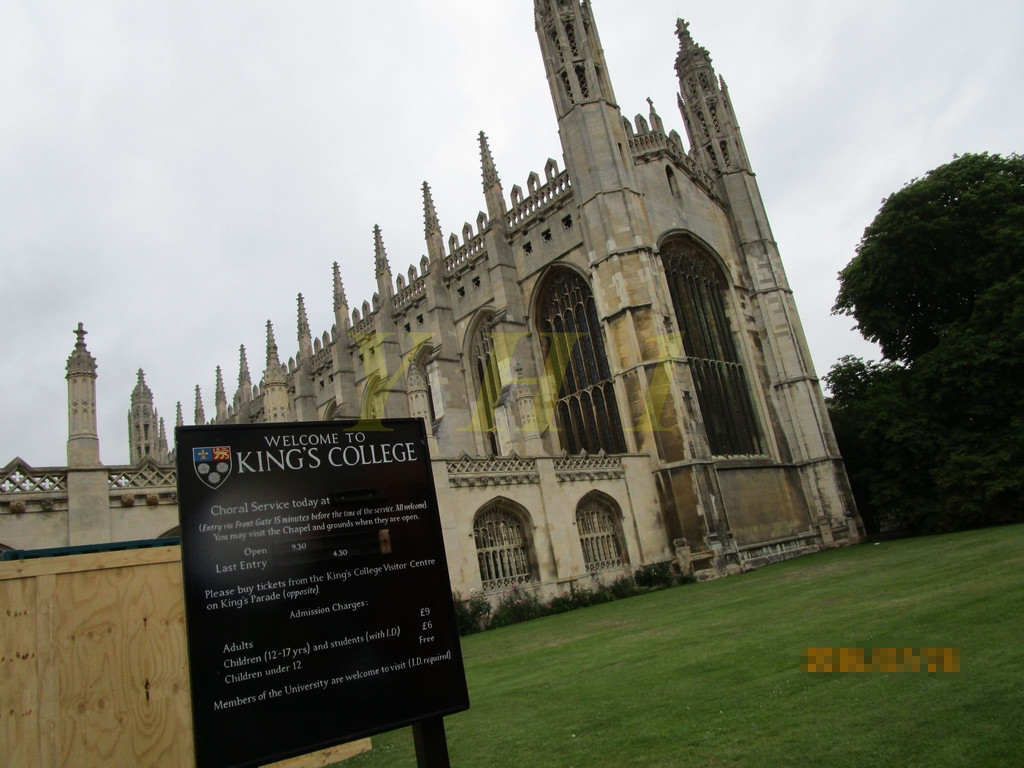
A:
710	674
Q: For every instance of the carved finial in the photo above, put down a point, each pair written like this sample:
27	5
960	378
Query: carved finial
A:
688	49
220	393
380	257
340	300
80	361
142	390
656	124
430	222
179	418
490	173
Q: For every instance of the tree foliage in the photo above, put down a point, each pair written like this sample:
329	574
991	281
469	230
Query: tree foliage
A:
934	434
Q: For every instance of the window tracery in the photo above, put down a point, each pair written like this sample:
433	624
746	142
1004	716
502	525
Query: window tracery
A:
598	522
586	411
488	382
503	547
698	290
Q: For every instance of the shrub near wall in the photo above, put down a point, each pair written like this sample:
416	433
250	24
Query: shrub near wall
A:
472	615
519	604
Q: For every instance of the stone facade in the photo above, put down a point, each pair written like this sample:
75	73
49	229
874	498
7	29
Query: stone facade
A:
610	364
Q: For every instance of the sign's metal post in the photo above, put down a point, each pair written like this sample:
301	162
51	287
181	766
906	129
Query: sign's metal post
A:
431	744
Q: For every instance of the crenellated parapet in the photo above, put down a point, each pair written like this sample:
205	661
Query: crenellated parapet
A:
541	200
650	144
408	296
461	257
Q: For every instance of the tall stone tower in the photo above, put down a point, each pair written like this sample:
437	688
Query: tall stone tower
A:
83	439
707	357
651	376
785	367
145	431
88	521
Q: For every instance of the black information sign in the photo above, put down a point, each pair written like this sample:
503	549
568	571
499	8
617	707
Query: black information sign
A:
317	595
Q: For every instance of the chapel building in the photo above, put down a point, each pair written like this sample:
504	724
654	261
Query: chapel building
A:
609	365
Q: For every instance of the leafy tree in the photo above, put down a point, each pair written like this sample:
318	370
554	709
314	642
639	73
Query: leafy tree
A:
934	434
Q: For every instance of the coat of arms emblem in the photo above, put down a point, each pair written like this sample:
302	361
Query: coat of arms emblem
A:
212	464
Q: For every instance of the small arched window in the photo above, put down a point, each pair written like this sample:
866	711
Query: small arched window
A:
503	546
586	411
699	290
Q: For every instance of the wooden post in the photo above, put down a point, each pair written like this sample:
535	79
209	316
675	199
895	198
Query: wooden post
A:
431	744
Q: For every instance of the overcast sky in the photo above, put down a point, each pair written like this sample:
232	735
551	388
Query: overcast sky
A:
173	174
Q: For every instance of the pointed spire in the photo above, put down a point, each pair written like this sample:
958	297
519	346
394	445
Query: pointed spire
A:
303	320
493	193
305	338
275	372
200	413
244	378
162	439
711	124
430	222
381	266
487	162
179	417
341	316
432	227
272	358
221	397
275	383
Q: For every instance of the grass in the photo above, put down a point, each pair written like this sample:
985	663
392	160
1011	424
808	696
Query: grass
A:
710	674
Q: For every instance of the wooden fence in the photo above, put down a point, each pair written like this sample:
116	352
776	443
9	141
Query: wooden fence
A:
94	665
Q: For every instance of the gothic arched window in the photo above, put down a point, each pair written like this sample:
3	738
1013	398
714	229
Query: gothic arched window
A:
488	382
598	521
698	289
503	547
586	413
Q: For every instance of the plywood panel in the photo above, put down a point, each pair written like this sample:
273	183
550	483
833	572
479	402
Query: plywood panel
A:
122	667
94	664
19	695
